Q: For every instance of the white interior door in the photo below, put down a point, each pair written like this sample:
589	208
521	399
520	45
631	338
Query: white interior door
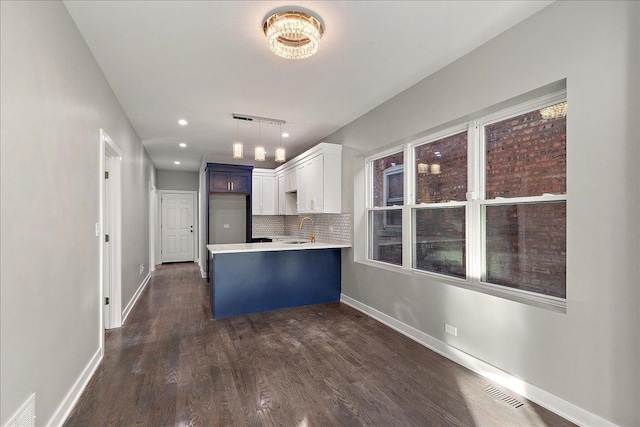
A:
109	230
107	252
177	227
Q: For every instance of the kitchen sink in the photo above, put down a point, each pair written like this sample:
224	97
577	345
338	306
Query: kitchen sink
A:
296	242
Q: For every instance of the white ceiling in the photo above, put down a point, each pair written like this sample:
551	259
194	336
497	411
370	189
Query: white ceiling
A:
204	60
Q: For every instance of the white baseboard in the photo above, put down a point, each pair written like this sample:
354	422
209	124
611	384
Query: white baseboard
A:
135	297
203	273
543	398
69	401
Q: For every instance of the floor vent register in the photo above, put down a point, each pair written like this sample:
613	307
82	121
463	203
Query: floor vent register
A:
508	399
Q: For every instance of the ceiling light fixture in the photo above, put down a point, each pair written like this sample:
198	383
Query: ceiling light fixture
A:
176	162
183	145
285	135
237	145
281	155
182	122
293	34
260	152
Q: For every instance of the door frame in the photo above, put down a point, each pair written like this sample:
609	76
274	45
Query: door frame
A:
110	154
153	220
195	219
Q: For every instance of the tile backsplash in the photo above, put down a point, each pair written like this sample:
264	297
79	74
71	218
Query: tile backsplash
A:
267	225
330	228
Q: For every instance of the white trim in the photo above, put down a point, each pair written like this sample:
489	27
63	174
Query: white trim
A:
195	212
135	297
203	273
543	398
110	149
64	409
523	107
152	227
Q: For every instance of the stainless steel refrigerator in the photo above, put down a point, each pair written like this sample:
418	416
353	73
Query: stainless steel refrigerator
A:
227	218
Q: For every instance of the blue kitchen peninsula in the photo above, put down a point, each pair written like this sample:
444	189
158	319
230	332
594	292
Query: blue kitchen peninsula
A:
256	277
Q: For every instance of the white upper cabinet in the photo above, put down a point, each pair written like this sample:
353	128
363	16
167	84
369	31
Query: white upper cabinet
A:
263	192
312	182
282	190
291	179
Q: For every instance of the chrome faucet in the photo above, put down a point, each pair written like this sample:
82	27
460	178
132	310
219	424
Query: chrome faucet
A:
313	228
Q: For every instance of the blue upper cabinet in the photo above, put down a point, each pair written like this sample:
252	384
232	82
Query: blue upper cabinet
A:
225	178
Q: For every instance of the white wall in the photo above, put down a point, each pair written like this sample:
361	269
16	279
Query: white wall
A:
589	356
203	201
178	180
54	100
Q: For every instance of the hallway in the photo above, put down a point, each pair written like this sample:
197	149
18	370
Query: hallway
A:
171	364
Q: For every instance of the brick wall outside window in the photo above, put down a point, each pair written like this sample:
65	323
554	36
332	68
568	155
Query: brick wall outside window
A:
526	156
450	155
526	243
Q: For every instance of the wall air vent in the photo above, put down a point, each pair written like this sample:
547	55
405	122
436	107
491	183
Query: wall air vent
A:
509	400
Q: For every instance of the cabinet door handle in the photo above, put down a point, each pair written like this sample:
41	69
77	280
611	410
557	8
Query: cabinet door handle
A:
232	186
228	186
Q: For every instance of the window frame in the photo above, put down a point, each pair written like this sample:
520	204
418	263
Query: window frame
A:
393	170
475	203
369	205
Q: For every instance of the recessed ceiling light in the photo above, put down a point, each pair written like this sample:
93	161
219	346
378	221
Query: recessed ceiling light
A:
176	162
182	122
285	135
182	144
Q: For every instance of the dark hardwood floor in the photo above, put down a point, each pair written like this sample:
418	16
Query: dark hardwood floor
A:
325	365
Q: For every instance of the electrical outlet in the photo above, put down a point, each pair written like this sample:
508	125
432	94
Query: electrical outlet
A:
331	229
97	229
226	226
141	268
451	329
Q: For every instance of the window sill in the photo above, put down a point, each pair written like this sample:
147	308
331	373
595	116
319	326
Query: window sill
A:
557	305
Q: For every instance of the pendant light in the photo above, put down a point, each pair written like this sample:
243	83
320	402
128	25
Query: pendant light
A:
281	156
237	145
259	151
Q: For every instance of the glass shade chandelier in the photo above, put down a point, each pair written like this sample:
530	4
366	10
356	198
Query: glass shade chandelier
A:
281	155
260	152
237	145
293	34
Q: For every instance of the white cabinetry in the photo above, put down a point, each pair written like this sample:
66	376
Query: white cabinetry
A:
263	192
312	182
291	179
282	191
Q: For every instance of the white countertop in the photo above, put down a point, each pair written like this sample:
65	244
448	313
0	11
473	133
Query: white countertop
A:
231	248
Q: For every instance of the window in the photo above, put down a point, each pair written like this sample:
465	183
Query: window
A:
525	235
438	233
385	216
485	204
